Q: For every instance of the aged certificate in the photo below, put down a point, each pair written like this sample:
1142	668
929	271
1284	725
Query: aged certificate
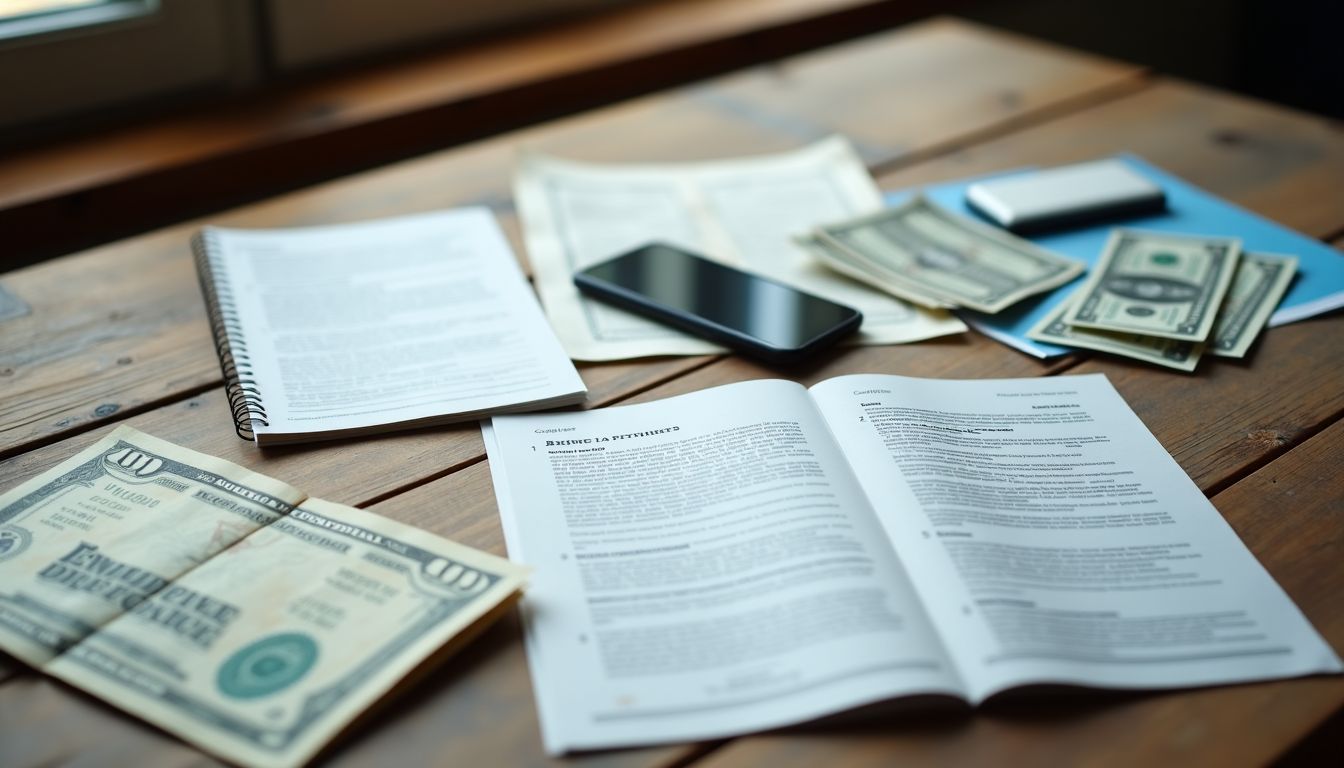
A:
222	605
742	212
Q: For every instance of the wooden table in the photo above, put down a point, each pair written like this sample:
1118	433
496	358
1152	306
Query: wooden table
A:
117	334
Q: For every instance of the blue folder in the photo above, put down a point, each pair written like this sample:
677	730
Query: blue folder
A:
1317	288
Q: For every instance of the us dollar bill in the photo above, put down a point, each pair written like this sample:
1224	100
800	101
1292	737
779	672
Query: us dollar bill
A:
842	262
222	605
918	248
1261	280
1171	353
1157	284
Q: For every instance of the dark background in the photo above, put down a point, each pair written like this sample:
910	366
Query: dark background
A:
1287	51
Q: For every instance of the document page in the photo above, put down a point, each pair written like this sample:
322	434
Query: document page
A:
741	212
704	565
1054	540
387	322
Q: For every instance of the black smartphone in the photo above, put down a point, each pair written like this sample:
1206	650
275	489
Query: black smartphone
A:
752	314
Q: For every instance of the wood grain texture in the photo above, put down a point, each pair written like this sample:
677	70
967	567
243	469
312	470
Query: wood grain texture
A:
879	95
356	472
144	340
1232	416
1280	163
1289	515
966	356
475	709
460	506
47	723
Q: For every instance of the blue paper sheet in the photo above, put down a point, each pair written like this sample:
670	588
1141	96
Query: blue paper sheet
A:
1318	287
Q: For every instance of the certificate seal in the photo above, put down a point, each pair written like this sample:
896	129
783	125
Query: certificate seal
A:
267	666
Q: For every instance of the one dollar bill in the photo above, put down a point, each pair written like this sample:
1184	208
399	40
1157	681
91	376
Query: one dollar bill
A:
222	605
1156	284
1170	353
922	253
1260	282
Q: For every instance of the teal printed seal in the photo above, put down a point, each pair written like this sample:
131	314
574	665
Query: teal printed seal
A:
13	540
267	666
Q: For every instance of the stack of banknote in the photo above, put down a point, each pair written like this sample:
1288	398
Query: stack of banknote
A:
925	255
1157	297
1167	299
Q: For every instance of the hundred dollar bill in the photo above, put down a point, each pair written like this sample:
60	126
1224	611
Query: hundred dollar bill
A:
224	606
922	249
1157	284
1172	353
1260	282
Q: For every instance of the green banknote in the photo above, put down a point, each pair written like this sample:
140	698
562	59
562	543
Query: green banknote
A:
1171	353
222	605
1260	282
841	261
920	250
1157	284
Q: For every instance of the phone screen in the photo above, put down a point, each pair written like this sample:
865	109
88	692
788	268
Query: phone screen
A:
780	316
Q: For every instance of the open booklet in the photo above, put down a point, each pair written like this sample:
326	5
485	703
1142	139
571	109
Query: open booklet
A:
336	331
760	554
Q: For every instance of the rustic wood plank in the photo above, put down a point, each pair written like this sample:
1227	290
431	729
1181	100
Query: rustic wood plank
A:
147	343
355	472
866	90
46	723
965	356
1288	515
476	707
1277	162
460	506
832	91
1236	415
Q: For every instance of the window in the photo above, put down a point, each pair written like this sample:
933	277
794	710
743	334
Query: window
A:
60	57
27	18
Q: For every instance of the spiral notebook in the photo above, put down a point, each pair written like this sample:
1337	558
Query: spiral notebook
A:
336	331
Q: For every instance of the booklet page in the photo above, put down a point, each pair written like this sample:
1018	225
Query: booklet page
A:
1054	540
389	321
704	565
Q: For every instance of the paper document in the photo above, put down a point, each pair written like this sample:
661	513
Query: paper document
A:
337	331
741	212
760	554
